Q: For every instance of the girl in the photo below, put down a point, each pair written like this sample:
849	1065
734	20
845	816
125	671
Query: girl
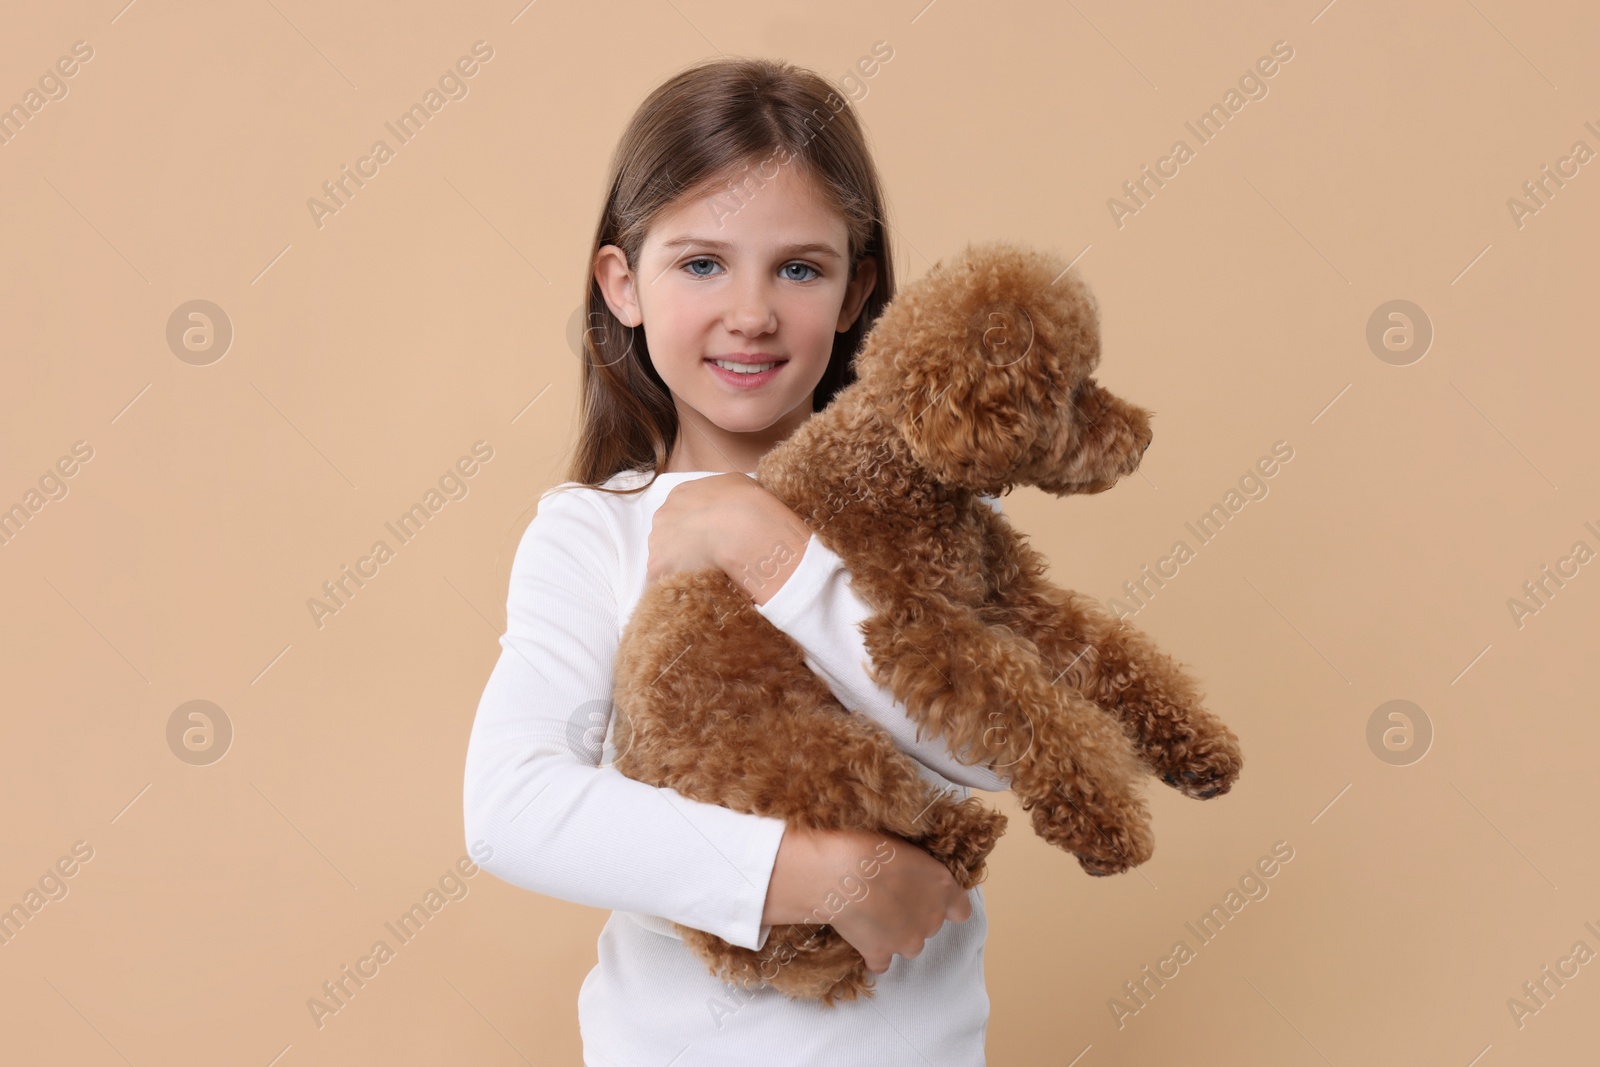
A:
740	259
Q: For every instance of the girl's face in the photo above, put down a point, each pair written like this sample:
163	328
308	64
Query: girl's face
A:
756	278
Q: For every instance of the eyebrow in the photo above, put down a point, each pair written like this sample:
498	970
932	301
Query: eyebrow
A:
789	250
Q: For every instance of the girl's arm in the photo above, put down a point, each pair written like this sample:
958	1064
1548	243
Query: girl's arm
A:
811	600
558	822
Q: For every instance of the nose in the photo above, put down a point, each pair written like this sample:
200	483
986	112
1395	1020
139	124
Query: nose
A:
752	309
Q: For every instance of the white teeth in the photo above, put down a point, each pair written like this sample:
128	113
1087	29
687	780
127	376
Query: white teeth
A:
743	368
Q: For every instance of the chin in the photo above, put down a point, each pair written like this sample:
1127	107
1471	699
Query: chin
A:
749	417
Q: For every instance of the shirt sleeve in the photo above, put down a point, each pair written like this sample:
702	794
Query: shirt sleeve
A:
557	821
817	607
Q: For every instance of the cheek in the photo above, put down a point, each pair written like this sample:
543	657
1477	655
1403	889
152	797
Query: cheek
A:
677	326
814	324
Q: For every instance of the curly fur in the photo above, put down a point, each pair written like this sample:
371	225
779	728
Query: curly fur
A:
975	379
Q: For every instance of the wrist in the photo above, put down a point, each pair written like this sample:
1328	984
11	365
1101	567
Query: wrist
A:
789	890
761	555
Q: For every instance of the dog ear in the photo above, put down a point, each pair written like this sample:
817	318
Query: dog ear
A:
974	362
971	411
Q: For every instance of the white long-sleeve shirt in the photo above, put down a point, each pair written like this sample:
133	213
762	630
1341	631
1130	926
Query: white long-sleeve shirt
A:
562	821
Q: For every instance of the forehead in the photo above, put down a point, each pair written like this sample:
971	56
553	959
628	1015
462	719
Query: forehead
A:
752	209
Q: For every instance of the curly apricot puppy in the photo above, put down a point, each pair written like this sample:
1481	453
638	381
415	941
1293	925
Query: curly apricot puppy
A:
974	379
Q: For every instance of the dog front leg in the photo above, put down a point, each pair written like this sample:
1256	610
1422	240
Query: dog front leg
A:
986	693
1122	669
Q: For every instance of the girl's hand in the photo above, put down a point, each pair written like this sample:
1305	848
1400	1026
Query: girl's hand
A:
730	522
884	895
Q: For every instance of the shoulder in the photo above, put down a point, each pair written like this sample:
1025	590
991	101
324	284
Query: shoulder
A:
571	514
579	498
579	512
628	479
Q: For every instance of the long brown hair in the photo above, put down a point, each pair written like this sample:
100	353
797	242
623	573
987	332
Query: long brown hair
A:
703	128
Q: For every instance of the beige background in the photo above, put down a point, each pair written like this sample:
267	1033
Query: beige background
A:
434	308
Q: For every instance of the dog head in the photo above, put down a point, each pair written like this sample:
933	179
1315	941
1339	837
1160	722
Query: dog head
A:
984	366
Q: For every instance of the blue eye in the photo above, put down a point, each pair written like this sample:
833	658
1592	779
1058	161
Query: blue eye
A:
689	266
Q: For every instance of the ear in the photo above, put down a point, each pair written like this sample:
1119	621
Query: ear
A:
856	292
972	406
618	285
975	362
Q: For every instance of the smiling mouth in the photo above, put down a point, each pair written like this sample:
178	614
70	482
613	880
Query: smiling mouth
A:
737	367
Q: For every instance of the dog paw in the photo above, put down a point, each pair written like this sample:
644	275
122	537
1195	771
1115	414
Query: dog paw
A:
1107	847
1104	822
1116	849
1209	772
